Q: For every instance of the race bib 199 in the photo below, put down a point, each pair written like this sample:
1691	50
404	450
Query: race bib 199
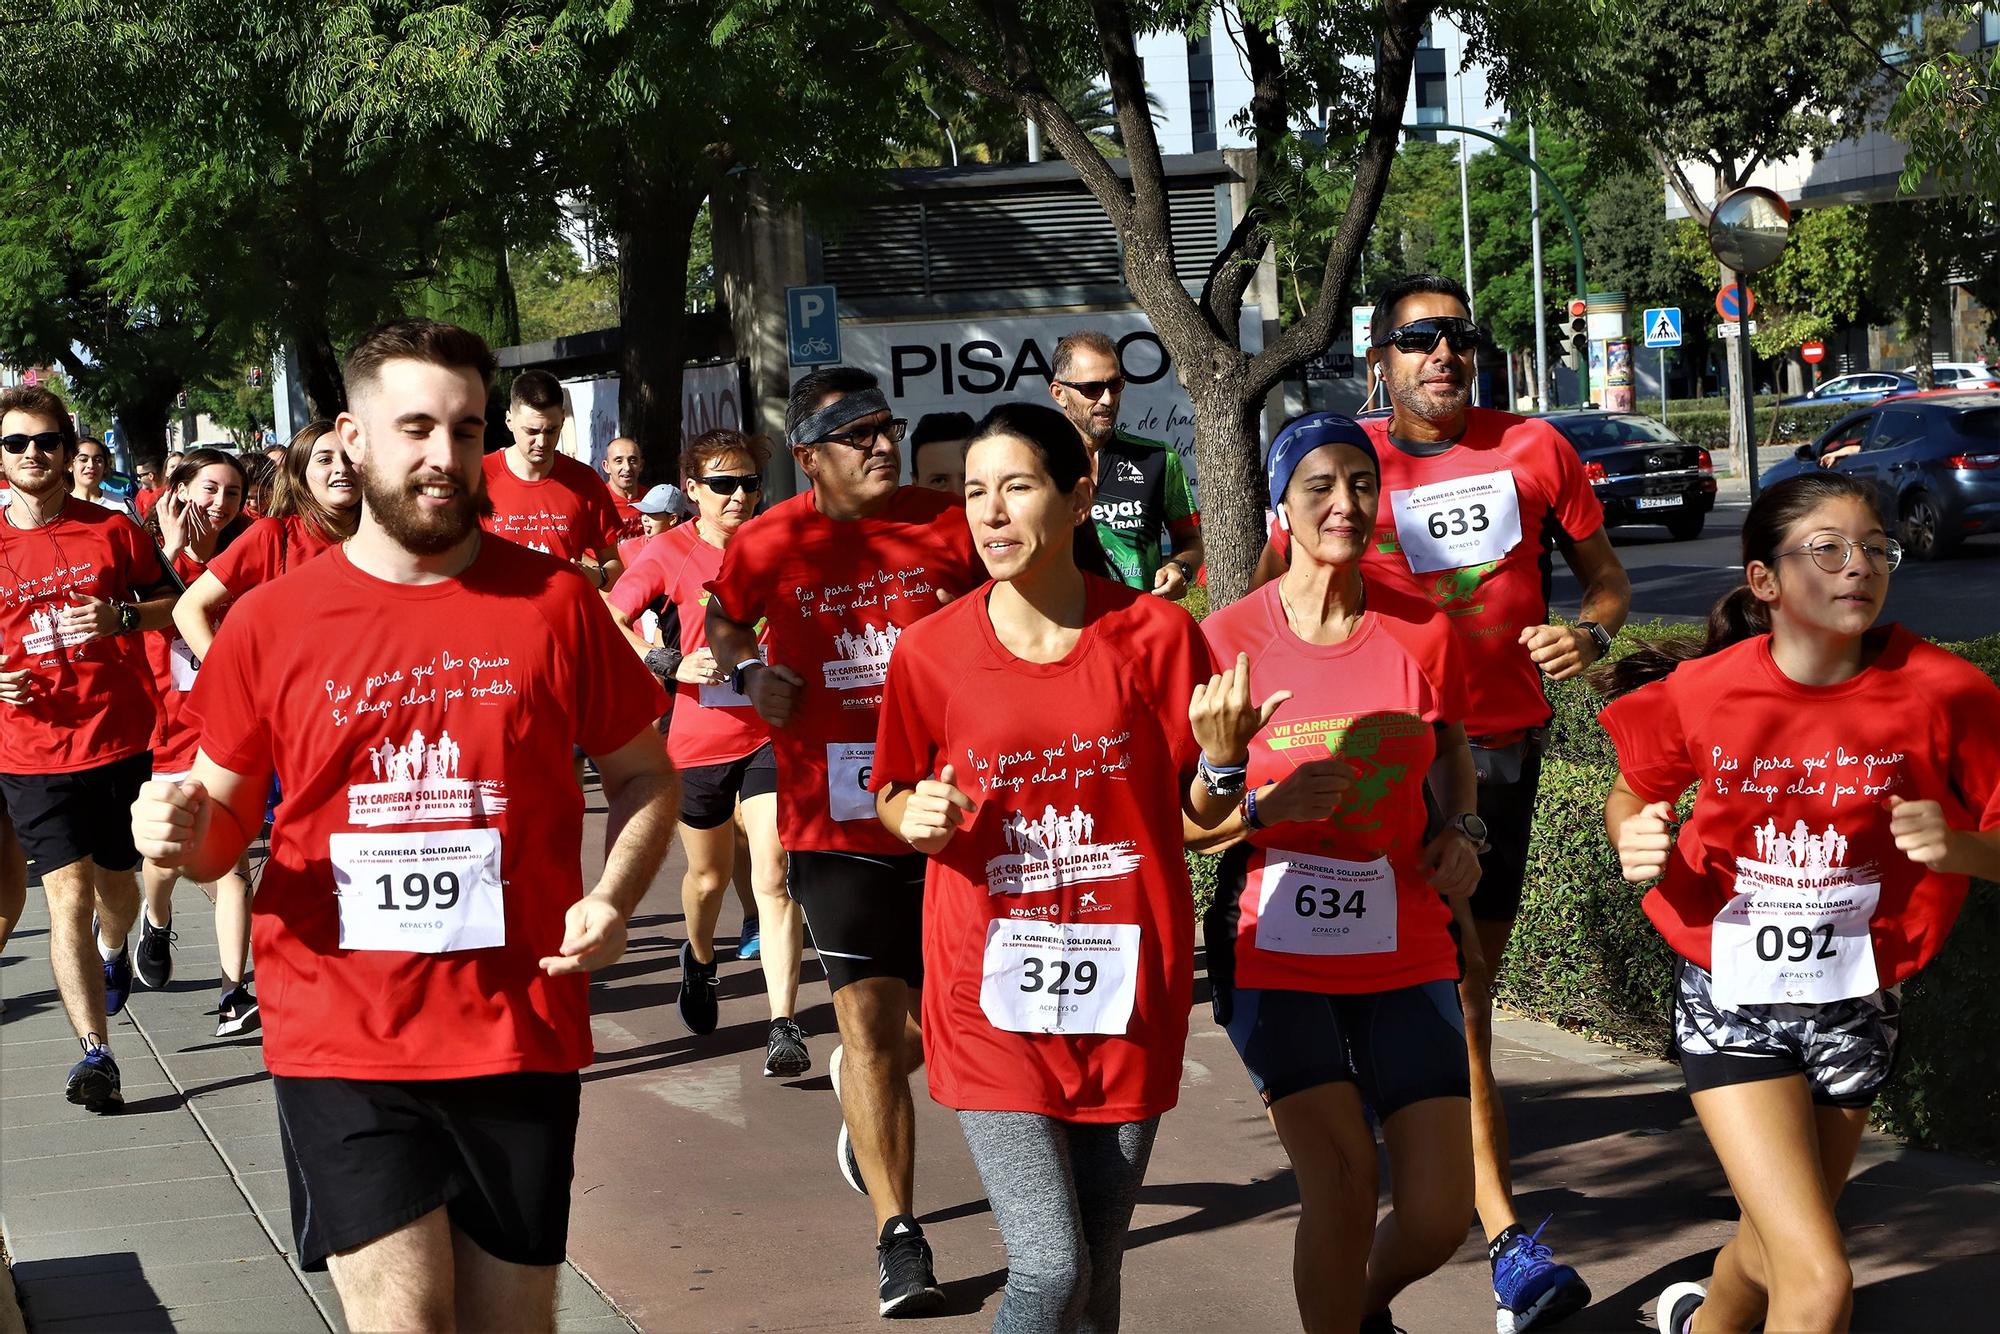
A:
1323	905
1059	977
1794	935
434	892
849	764
1465	521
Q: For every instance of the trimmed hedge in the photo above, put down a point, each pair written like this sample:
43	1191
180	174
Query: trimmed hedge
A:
1585	958
1708	425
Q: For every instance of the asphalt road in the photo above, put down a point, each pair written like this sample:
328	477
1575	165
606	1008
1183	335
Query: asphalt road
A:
1953	599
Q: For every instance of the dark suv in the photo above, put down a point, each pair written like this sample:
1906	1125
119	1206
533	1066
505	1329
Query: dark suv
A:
1934	463
1641	471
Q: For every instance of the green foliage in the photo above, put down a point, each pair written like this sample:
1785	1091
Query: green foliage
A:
237	406
1708	425
558	295
1948	110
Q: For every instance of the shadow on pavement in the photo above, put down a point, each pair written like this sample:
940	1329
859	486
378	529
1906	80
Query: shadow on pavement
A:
105	1291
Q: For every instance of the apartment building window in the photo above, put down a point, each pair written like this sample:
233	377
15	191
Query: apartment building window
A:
1201	93
1989	26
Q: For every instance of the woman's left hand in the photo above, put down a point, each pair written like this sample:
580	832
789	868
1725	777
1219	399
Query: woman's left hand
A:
1224	719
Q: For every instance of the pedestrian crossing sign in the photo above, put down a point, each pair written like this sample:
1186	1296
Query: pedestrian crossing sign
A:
1663	326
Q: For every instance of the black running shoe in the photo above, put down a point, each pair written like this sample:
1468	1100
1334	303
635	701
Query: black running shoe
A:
93	1081
698	1005
237	1013
154	959
785	1054
909	1285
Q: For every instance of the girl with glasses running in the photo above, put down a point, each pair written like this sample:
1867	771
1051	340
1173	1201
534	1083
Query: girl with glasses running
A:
1847	782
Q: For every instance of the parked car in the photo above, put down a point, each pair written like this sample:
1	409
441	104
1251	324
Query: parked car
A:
1857	387
1934	462
1946	374
1641	471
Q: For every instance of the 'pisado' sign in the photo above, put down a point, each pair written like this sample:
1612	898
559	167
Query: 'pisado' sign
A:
974	365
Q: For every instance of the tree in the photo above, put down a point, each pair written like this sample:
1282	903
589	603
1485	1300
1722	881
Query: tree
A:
1347	62
558	295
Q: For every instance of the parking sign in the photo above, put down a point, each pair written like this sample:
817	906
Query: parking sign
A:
812	325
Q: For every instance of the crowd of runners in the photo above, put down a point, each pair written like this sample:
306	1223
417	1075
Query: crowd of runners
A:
955	734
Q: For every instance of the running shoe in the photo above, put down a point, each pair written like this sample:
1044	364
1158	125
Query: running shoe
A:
1676	1307
154	961
1529	1286
237	1013
118	981
698	1005
909	1284
1379	1322
93	1081
748	945
843	1144
785	1053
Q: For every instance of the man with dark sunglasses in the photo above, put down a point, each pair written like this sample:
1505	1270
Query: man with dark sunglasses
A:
1142	489
839	572
78	583
1474	502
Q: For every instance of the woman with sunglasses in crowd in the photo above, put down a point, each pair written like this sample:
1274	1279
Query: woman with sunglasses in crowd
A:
1040	740
718	742
198	518
1847	783
315	504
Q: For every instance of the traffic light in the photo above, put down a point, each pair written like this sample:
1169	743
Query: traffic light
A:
1573	344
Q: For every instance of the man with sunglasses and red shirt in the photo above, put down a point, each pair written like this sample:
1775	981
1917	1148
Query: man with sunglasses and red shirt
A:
1474	502
1141	486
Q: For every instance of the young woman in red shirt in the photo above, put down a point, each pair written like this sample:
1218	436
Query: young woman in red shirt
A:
1040	739
1847	784
1331	954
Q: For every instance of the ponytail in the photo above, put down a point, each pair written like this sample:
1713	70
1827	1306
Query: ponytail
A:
1740	615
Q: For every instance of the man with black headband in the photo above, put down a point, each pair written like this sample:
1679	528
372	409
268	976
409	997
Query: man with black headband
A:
1473	502
840	572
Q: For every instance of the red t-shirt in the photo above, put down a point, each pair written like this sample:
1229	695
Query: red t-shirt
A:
631	523
93	697
145	498
568	513
269	548
1355	912
452	717
711	724
172	665
1078	767
1797	776
1470	529
837	594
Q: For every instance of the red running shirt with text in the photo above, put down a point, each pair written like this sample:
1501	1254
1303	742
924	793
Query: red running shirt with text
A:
568	514
267	549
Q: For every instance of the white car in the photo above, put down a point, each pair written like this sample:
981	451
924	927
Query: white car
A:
1945	374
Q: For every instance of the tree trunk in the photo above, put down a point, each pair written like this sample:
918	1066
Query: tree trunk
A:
320	374
142	424
1227	451
654	226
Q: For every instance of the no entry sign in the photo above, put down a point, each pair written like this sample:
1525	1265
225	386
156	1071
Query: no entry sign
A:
1813	352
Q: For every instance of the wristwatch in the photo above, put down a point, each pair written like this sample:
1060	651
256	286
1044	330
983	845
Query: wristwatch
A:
1598	635
128	617
1474	830
1222	782
1187	570
739	675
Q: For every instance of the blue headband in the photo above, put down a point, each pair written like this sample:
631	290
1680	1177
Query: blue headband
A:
1301	436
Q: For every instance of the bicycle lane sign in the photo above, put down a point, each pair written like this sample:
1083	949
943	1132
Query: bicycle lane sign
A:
812	325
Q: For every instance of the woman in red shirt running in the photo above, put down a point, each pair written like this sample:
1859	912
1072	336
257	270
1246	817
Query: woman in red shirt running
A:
1330	951
199	516
1847	782
1040	739
315	505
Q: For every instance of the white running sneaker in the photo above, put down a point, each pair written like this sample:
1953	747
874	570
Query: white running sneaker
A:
1676	1307
843	1146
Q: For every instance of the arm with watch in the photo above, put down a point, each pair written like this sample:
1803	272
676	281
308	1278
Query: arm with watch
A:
772	690
1563	651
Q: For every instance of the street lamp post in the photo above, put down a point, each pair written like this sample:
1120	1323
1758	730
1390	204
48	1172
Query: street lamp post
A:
1541	310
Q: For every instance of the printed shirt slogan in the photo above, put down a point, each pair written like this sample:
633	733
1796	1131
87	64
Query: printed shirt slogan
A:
1836	775
54	591
868	627
1381	748
1045	853
414	778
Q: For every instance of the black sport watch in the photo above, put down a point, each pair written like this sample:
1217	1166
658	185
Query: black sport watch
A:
1473	828
128	617
739	675
1598	636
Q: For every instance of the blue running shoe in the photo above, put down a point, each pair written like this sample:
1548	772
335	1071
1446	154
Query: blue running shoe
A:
747	946
118	981
93	1082
1529	1286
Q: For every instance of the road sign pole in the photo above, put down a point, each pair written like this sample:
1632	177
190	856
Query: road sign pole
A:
1746	411
1541	308
1663	386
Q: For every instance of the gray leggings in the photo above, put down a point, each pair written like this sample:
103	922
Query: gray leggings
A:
1063	1193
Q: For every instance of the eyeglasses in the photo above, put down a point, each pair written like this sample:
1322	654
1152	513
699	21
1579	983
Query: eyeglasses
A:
864	437
1095	389
49	442
728	484
1832	553
1421	336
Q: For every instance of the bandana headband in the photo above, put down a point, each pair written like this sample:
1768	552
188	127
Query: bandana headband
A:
823	422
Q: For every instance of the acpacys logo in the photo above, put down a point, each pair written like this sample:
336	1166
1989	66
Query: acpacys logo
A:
1380	748
1455	590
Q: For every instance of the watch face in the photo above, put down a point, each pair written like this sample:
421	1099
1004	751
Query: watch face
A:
1474	827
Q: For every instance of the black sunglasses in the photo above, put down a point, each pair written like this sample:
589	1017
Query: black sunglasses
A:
49	442
864	437
1094	389
1423	335
728	484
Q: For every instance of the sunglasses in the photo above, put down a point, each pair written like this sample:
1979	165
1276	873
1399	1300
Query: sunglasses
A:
864	437
1422	336
728	484
49	442
1094	389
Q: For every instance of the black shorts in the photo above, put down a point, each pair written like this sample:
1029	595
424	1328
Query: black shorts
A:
365	1157
1507	805
1399	1047
1846	1050
866	913
709	792
63	818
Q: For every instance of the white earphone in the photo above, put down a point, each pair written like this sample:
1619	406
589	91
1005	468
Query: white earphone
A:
1284	519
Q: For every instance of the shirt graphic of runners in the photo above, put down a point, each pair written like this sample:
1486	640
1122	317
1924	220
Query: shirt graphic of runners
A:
1053	850
417	783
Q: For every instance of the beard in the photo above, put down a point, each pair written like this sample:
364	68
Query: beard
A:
397	510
